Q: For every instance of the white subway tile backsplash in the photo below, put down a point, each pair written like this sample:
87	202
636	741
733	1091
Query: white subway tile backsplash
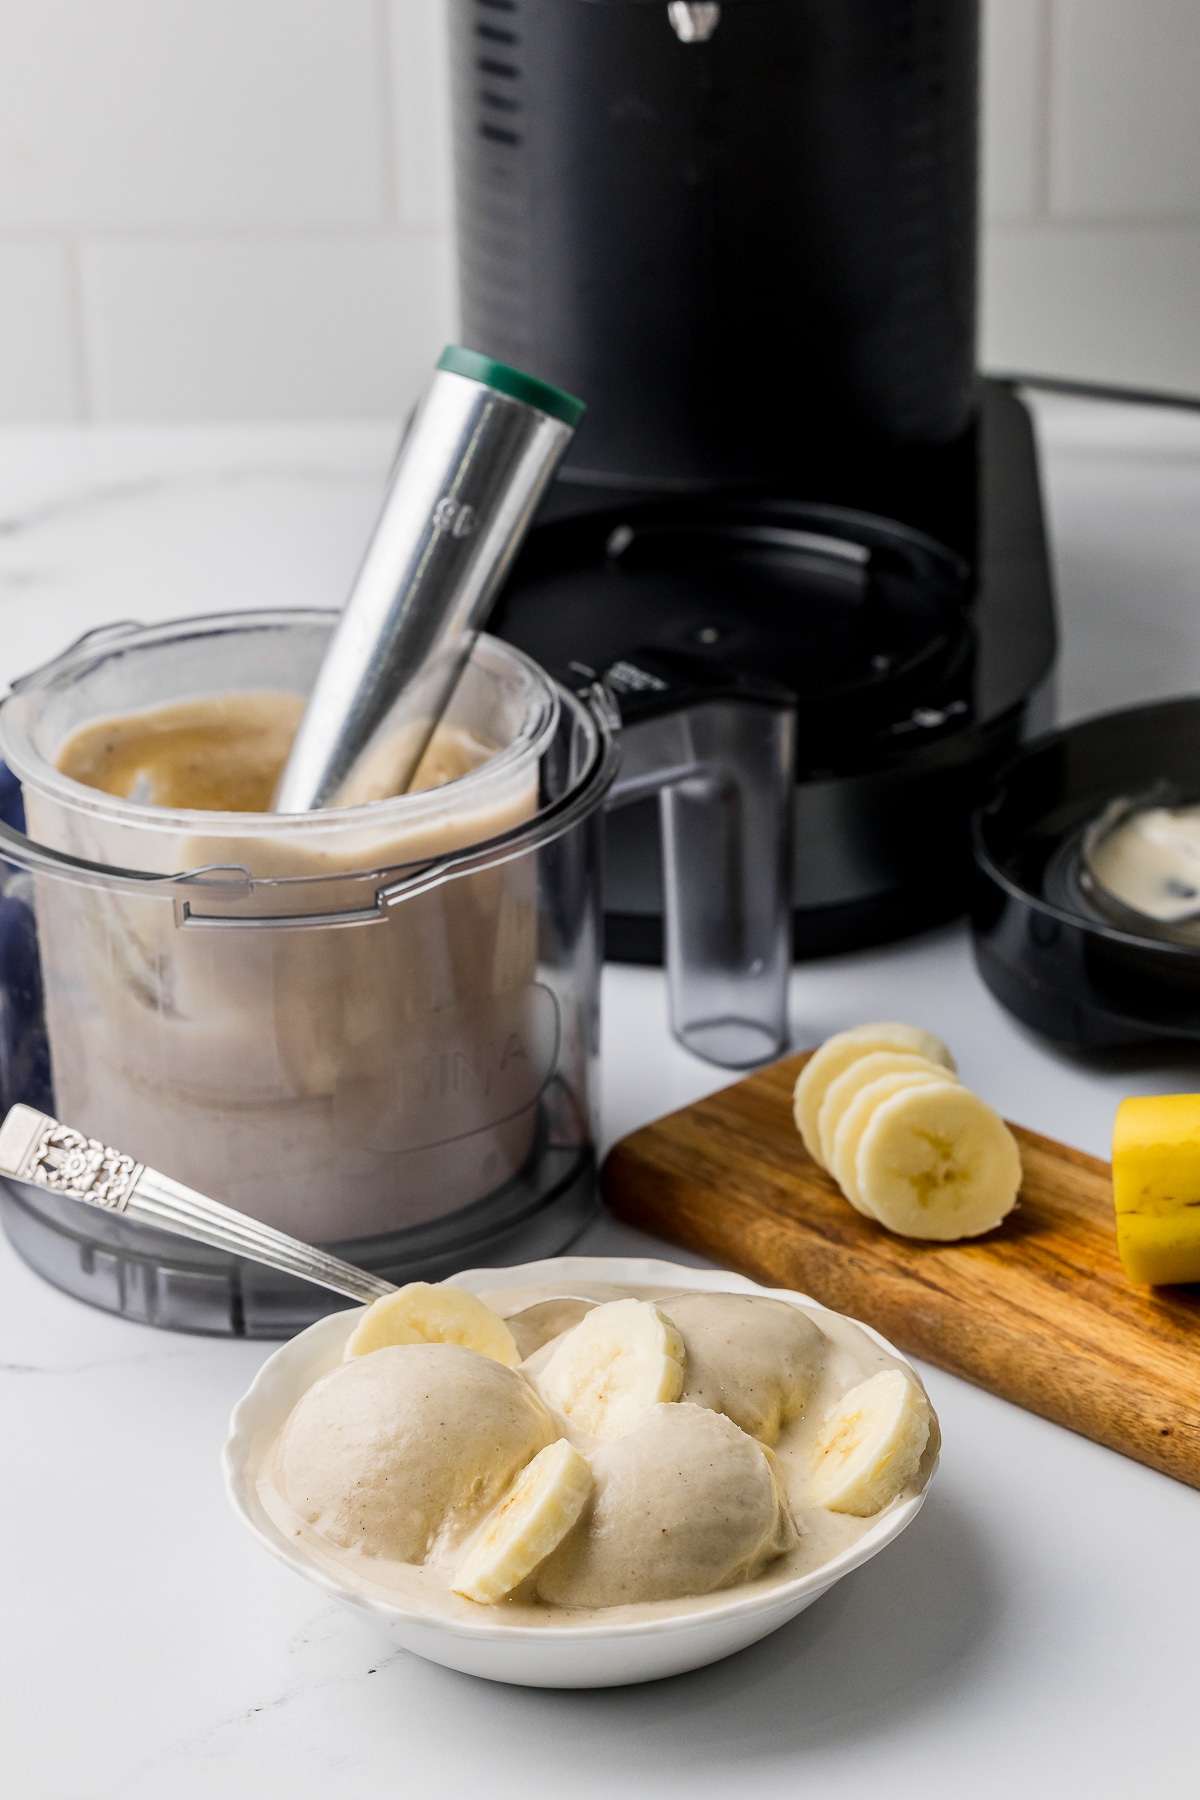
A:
343	326
37	352
421	102
185	114
1013	125
1101	304
1125	140
258	194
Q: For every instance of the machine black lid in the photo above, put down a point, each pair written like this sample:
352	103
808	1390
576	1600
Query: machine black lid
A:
865	621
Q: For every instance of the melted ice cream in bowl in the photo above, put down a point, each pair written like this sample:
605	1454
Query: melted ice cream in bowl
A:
609	1471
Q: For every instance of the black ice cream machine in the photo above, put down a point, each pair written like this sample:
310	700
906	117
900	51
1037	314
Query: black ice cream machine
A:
746	234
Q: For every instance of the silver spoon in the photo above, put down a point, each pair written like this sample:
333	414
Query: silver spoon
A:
41	1150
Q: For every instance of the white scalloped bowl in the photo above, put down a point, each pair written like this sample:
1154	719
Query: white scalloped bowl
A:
593	1654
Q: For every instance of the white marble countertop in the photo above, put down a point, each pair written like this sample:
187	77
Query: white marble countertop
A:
1034	1632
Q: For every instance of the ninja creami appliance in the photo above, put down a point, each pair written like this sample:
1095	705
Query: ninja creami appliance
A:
746	235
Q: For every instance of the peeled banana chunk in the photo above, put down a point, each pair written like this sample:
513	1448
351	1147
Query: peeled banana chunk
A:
838	1052
530	1522
937	1162
623	1358
864	1070
869	1449
433	1313
753	1359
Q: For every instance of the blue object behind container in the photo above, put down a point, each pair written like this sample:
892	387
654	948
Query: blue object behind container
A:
24	1050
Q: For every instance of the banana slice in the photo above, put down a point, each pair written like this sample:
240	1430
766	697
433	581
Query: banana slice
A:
937	1162
838	1052
621	1359
532	1520
431	1313
863	1070
857	1117
871	1445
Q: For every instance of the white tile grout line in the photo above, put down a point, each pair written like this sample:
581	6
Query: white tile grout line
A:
1116	224
394	231
81	376
1043	111
389	148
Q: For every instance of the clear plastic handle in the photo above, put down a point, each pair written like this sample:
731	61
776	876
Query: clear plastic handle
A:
723	772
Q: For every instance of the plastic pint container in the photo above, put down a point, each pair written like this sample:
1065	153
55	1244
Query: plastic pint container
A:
372	1027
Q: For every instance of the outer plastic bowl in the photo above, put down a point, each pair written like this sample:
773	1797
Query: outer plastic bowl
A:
596	1654
1043	946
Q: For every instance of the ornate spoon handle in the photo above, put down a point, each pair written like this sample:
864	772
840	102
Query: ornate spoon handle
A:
40	1150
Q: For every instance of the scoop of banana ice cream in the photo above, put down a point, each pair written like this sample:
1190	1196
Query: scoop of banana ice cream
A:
398	1451
683	1503
755	1360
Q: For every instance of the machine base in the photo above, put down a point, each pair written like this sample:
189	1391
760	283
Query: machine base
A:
165	1281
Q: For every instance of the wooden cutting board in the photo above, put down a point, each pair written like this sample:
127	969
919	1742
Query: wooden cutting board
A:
1039	1311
